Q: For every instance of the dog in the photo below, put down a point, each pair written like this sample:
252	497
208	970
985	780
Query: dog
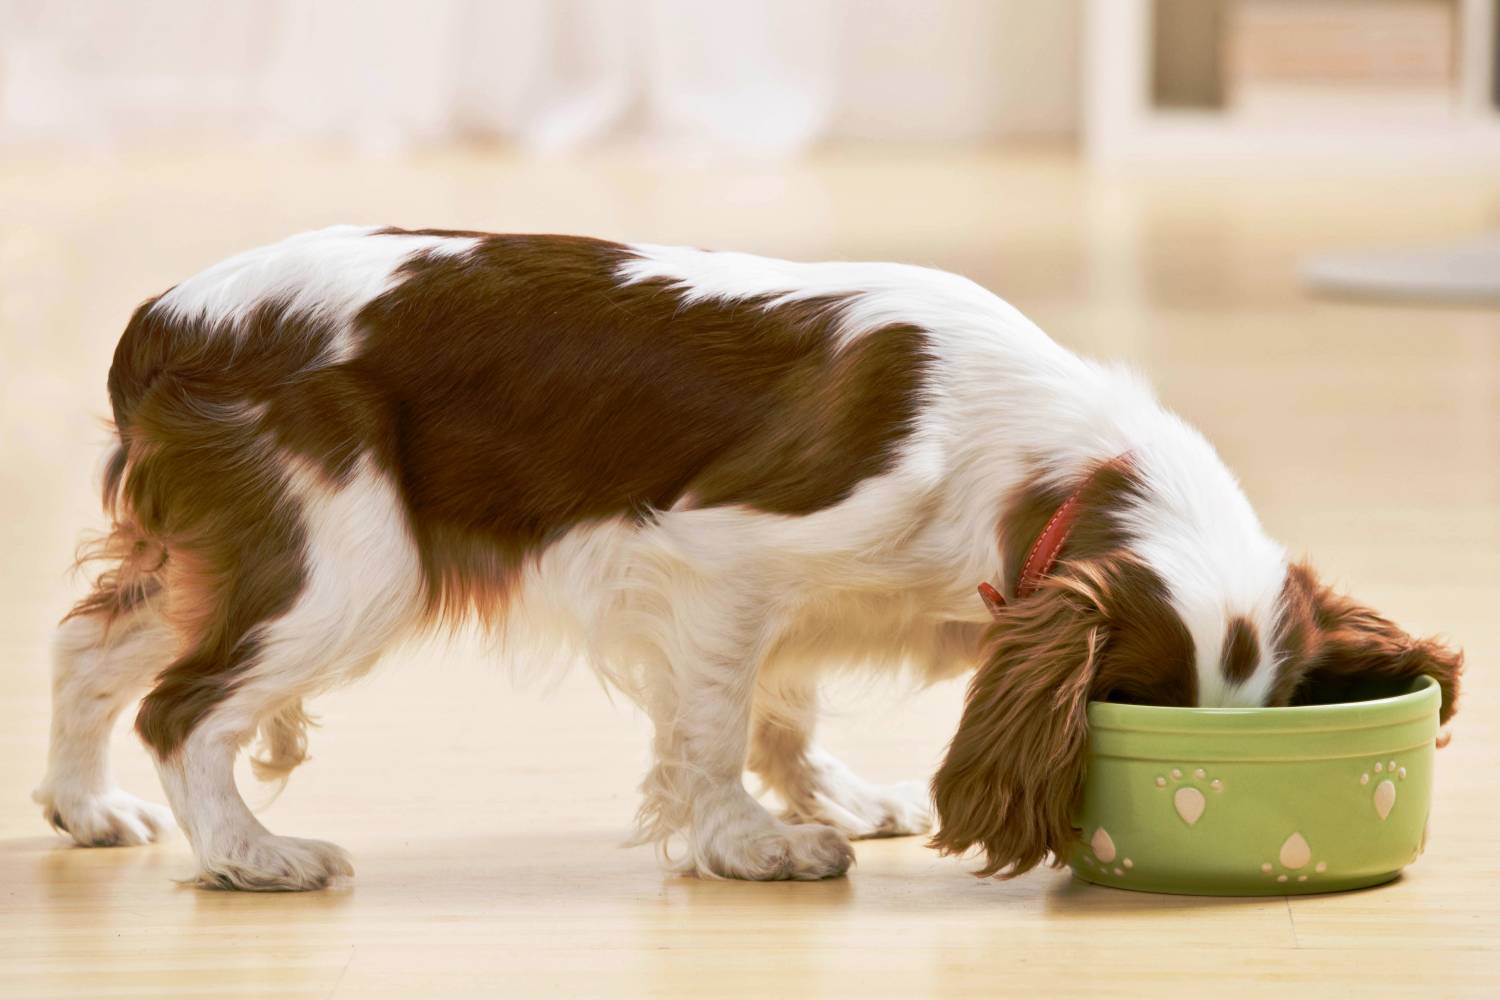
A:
716	476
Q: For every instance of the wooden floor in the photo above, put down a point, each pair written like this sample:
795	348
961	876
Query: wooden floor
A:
485	819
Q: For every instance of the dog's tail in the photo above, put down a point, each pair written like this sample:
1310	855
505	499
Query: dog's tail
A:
132	556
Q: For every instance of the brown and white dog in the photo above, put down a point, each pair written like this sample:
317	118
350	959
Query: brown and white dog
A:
716	475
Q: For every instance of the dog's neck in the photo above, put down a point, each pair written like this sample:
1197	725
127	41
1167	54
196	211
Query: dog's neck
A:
1047	546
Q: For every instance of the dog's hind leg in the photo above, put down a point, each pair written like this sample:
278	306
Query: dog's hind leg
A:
359	587
814	785
103	657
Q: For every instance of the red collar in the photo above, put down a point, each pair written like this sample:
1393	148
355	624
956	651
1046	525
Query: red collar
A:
1044	552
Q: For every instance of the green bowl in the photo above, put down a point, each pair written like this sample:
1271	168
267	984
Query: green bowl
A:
1257	801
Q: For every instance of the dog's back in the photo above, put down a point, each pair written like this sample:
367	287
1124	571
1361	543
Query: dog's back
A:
509	389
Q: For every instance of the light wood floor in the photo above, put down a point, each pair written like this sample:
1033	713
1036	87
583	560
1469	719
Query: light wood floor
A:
485	819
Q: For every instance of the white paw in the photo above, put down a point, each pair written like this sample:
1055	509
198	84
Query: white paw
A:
269	863
106	819
859	809
805	852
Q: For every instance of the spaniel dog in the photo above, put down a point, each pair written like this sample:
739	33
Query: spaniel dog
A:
715	476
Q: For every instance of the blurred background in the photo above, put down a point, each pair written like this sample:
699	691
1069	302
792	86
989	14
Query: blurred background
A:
766	79
1285	212
1123	79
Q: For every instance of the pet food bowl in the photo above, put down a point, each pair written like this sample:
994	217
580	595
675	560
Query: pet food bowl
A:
1257	801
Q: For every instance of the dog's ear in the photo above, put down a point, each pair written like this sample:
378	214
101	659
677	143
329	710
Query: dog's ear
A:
1014	771
1337	650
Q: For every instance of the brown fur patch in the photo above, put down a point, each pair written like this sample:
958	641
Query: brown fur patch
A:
532	392
1154	643
1332	649
1240	654
1098	628
128	580
1106	489
201	480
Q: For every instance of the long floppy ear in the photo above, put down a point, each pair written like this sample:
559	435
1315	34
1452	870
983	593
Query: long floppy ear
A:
1337	650
1014	771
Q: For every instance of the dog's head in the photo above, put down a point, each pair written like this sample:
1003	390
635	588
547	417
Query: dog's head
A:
1332	649
1104	628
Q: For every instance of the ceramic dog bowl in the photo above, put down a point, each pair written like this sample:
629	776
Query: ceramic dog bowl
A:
1259	801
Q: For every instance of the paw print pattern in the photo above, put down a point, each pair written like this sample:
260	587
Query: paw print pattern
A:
1105	854
1387	774
1294	857
1188	799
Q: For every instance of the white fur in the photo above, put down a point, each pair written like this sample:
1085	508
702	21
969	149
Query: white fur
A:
1201	535
326	275
96	673
857	808
363	592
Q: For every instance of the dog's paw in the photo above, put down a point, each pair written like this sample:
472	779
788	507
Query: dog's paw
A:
859	809
106	819
900	810
275	864
805	852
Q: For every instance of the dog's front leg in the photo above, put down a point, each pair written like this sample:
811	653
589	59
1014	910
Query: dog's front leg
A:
701	703
815	785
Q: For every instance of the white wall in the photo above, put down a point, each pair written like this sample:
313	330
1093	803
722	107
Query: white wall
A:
768	77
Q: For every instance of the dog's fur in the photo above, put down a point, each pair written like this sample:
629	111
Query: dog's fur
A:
715	475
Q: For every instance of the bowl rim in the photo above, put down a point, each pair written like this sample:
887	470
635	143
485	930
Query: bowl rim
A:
1421	700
